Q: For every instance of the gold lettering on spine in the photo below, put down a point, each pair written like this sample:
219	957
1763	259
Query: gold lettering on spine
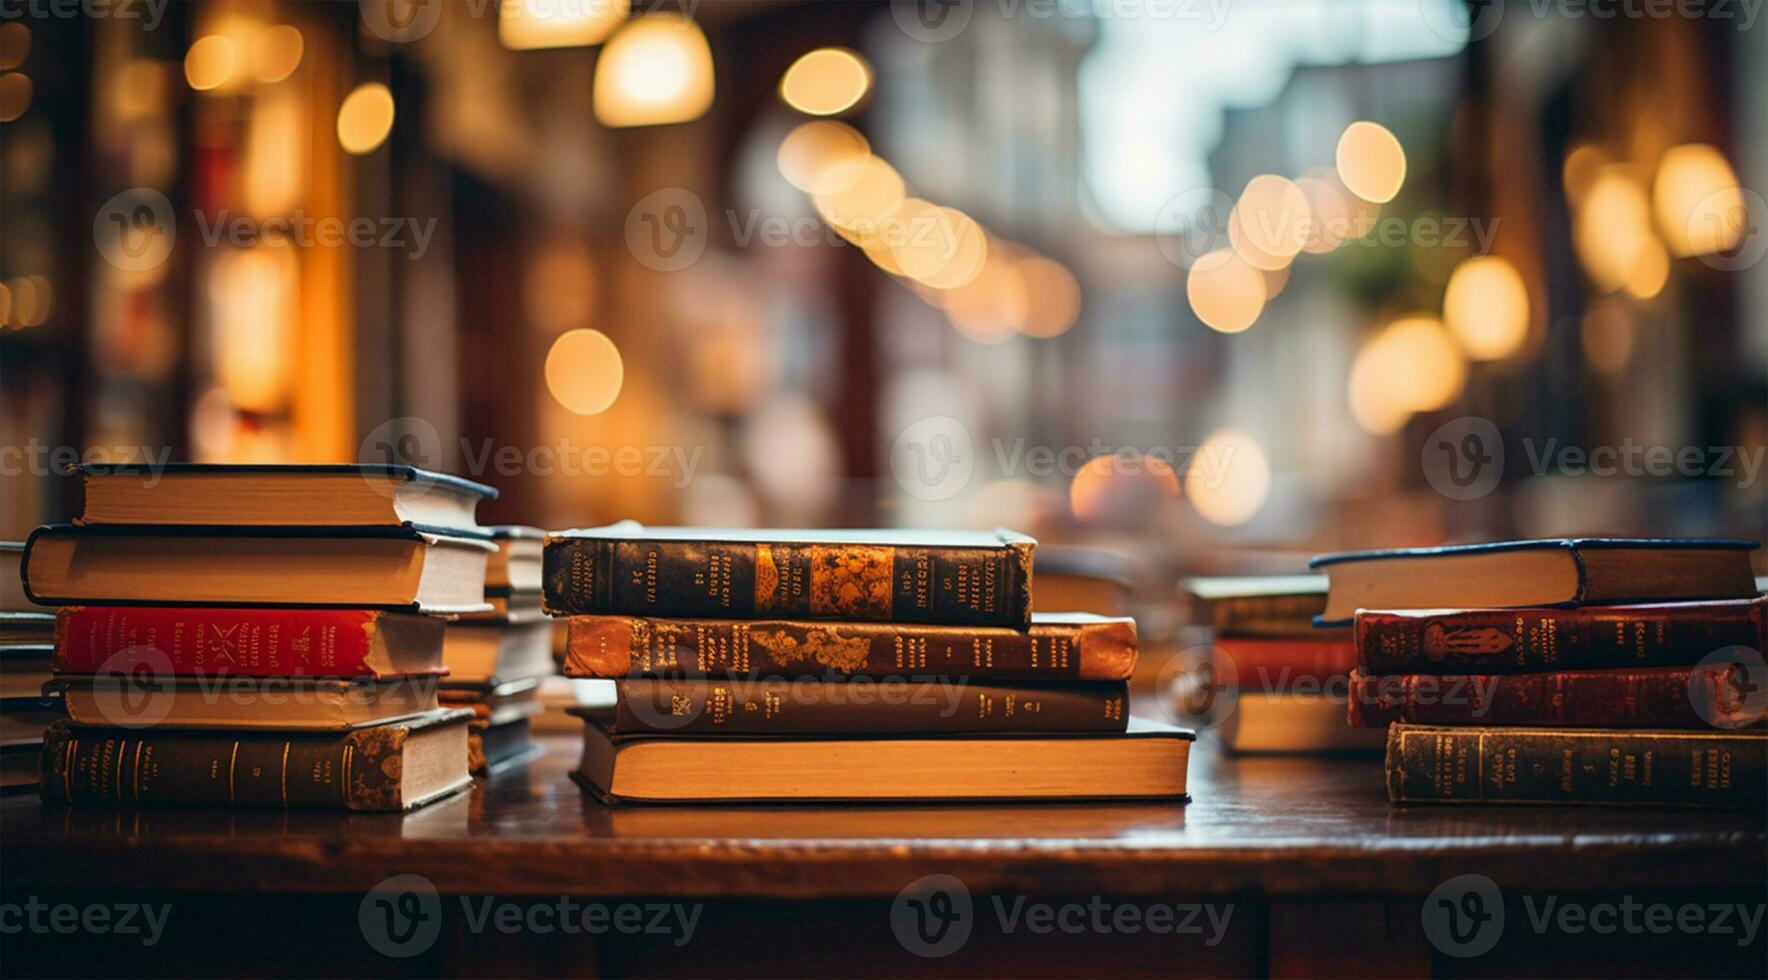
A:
285	772
232	764
851	582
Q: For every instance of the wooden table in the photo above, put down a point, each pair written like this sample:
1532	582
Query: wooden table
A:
1303	862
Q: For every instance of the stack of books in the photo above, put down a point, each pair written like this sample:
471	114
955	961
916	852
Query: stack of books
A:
497	659
844	665
27	640
1261	677
1617	671
258	636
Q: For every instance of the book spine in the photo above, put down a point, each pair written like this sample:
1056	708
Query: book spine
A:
1522	765
116	767
243	642
777	707
1653	697
621	646
1494	641
749	580
1271	664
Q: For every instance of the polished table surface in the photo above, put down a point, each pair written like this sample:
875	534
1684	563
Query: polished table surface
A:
1291	827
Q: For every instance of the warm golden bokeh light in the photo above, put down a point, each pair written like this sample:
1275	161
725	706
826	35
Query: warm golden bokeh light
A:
1651	271
1270	222
1374	401
525	25
826	82
1700	207
1582	164
1225	292
940	247
276	53
584	371
1229	478
15	44
1275	280
365	118
1120	486
5	305
210	62
1486	307
992	306
1612	229
1371	161
656	70
1330	209
252	291
810	156
868	192
1410	366
1052	296
15	95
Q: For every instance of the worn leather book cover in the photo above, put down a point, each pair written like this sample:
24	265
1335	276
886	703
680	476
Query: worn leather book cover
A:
1695	698
393	766
1498	641
860	706
1428	764
266	642
960	577
1059	646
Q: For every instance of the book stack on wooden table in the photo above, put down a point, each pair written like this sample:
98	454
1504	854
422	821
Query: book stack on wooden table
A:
1617	671
844	665
1262	678
258	636
27	641
498	658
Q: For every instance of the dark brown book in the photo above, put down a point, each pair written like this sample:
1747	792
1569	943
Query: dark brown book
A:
1499	641
1275	606
232	701
961	577
394	766
1059	646
1696	698
1147	761
860	706
1551	572
1427	764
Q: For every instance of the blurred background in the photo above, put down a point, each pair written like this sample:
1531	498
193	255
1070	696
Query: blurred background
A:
1210	284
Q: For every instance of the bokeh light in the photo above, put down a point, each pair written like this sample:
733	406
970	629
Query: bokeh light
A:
810	156
365	118
1270	222
1371	161
826	82
1612	228
1229	478
656	70
524	25
1225	292
1486	307
210	62
1700	207
1052	296
584	371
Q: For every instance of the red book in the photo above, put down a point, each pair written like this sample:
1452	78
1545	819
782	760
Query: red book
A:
1703	697
171	640
1273	664
1506	641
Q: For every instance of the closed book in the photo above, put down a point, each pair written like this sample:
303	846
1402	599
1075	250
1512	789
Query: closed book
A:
1698	698
196	640
243	702
22	720
1059	646
1147	761
24	670
1499	641
1429	764
27	628
892	705
206	494
1256	605
482	653
961	577
1255	722
391	767
1547	572
378	567
1274	664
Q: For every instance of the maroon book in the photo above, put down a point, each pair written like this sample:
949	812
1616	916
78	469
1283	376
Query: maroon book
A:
1689	698
1509	641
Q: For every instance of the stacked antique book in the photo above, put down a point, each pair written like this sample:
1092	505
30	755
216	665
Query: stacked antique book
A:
1259	677
805	665
497	659
1619	671
27	636
258	636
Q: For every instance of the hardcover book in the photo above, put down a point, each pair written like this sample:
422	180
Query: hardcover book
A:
388	767
1495	641
1279	606
1698	698
256	702
194	640
1551	572
1059	646
1148	761
1428	764
478	653
203	494
958	577
787	707
385	567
